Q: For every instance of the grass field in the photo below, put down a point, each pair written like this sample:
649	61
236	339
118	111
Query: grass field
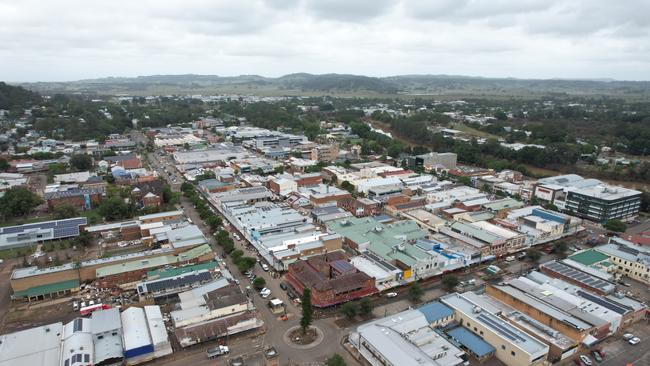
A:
472	131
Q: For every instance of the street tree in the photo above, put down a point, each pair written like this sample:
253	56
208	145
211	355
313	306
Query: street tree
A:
307	310
415	292
259	283
533	255
365	307
349	309
450	282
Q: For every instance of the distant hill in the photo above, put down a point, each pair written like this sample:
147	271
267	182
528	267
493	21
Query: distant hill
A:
345	84
16	97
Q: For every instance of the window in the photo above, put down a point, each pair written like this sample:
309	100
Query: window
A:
476	330
512	353
67	362
481	332
100	337
87	357
503	347
77	325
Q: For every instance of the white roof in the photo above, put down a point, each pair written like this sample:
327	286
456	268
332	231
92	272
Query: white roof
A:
135	328
35	346
156	325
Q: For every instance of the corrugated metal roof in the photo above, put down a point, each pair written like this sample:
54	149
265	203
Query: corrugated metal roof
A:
471	341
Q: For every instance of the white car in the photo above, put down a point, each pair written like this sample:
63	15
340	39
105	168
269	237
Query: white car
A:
510	258
634	341
586	360
391	294
628	336
265	267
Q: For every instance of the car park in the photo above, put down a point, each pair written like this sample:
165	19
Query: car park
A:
586	360
596	355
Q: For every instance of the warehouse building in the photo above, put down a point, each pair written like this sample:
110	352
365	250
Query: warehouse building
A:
30	234
404	339
35	346
513	346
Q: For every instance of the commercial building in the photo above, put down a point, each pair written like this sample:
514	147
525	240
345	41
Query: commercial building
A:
30	234
138	347
627	259
603	202
331	278
106	326
218	154
500	241
404	339
34	346
433	160
590	198
325	153
513	346
83	198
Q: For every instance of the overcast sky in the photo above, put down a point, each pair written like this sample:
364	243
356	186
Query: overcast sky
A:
70	40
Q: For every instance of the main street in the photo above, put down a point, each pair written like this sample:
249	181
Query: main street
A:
250	347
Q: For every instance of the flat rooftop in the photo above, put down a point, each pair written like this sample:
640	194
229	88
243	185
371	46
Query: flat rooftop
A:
35	346
505	330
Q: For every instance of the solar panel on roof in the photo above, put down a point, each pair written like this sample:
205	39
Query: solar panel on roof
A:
176	282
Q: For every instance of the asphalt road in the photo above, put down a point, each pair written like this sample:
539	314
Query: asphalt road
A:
251	347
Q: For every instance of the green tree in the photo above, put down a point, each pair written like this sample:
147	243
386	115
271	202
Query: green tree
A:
365	307
347	186
259	283
18	201
4	165
415	292
450	282
167	194
307	310
83	240
114	208
615	225
335	360
560	248
236	255
81	161
65	211
349	309
533	255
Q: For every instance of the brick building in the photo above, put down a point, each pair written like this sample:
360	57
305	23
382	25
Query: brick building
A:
361	207
331	278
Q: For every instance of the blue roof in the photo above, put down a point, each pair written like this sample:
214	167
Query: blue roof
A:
471	341
435	311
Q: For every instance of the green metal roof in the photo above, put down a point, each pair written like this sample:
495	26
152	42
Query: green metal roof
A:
47	289
588	257
383	238
503	204
475	232
153	262
177	271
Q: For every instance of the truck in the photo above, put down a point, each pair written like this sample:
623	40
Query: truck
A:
217	351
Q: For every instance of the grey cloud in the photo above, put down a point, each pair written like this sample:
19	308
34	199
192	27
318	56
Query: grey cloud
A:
348	10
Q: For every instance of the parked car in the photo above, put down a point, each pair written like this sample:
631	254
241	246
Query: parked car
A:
283	286
596	355
628	336
634	341
265	267
217	351
510	258
586	360
391	294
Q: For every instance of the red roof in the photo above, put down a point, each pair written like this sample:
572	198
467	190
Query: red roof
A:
642	238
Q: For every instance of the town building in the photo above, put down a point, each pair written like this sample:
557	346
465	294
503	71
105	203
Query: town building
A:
406	338
331	278
30	234
514	347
